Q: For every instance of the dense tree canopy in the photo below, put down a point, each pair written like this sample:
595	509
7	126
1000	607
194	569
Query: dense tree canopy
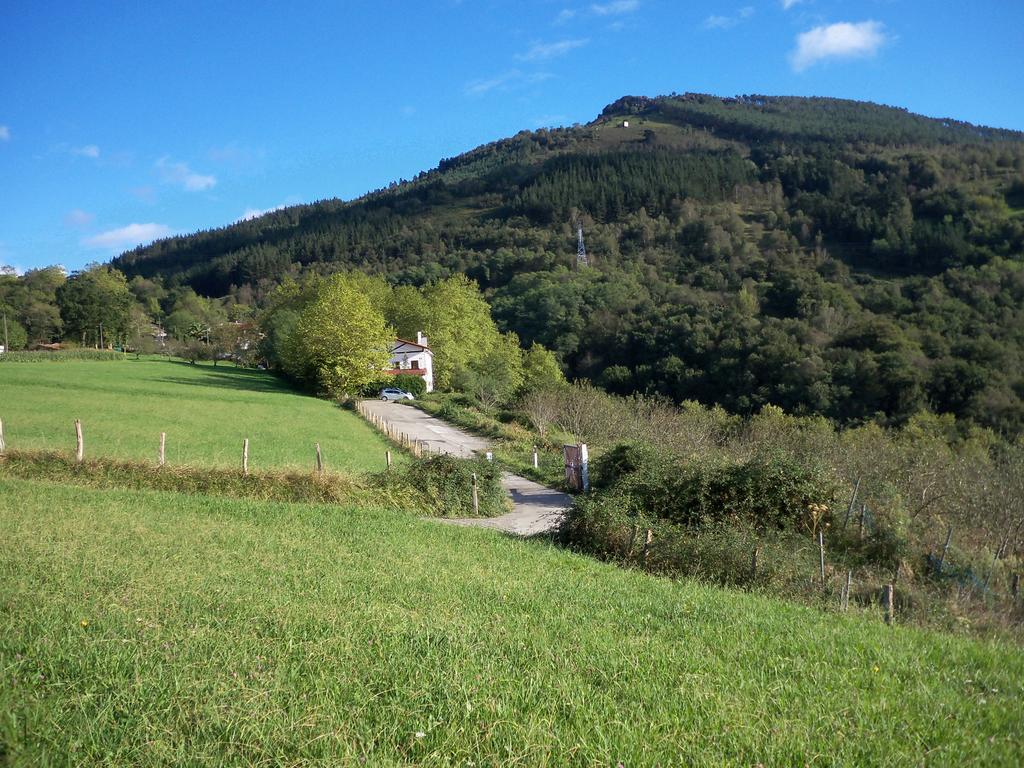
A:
340	341
95	303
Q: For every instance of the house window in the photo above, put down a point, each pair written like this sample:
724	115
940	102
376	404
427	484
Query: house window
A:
415	365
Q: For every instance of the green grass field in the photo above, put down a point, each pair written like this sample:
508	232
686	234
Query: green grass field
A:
149	628
206	412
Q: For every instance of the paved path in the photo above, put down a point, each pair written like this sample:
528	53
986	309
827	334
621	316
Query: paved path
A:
536	508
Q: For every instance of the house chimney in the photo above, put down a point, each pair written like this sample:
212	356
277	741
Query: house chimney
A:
421	338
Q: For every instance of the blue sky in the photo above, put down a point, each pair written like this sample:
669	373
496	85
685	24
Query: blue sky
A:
121	122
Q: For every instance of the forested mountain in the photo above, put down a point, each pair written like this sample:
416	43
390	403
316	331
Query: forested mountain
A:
827	256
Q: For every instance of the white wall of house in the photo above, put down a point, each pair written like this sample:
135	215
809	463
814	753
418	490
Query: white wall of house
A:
413	357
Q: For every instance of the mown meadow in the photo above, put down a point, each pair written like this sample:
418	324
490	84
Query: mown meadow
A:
206	412
144	628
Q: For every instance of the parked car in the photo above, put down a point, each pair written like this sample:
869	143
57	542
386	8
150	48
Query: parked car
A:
391	393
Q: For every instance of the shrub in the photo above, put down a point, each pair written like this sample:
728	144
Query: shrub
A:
768	492
61	355
374	387
445	484
415	385
765	491
627	460
604	524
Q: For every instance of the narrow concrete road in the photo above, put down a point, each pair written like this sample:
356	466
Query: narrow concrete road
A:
536	508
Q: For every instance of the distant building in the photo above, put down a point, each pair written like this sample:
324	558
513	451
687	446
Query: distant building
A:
625	123
413	358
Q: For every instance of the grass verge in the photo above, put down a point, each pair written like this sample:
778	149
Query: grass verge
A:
437	486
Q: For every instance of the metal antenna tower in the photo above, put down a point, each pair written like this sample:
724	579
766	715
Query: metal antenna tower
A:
581	249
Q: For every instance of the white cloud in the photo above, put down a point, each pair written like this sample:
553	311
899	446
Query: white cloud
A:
564	15
787	4
127	236
182	176
78	218
727	22
89	150
542	51
503	81
843	40
5	133
255	213
615	7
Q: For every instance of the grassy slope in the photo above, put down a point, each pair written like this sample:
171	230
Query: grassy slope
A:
205	411
231	631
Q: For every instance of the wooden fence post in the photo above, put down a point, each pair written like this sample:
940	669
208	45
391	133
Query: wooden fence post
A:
821	556
3	445
387	457
853	501
633	531
79	442
162	457
887	603
245	456
945	549
647	545
319	461
535	463
476	498
845	600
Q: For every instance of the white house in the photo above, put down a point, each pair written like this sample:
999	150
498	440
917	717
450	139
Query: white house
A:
413	358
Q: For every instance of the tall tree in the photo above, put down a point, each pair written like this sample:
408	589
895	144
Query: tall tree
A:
94	301
340	341
459	327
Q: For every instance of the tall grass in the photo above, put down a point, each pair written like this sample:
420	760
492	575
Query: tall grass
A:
438	486
61	356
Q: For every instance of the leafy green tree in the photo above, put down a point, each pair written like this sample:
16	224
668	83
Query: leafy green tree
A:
541	369
13	333
407	311
192	315
96	300
495	376
459	327
414	385
340	341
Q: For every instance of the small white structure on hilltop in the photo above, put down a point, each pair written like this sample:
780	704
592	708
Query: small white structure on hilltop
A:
413	358
625	123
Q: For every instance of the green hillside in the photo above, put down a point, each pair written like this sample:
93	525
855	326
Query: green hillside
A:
823	255
151	629
206	412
